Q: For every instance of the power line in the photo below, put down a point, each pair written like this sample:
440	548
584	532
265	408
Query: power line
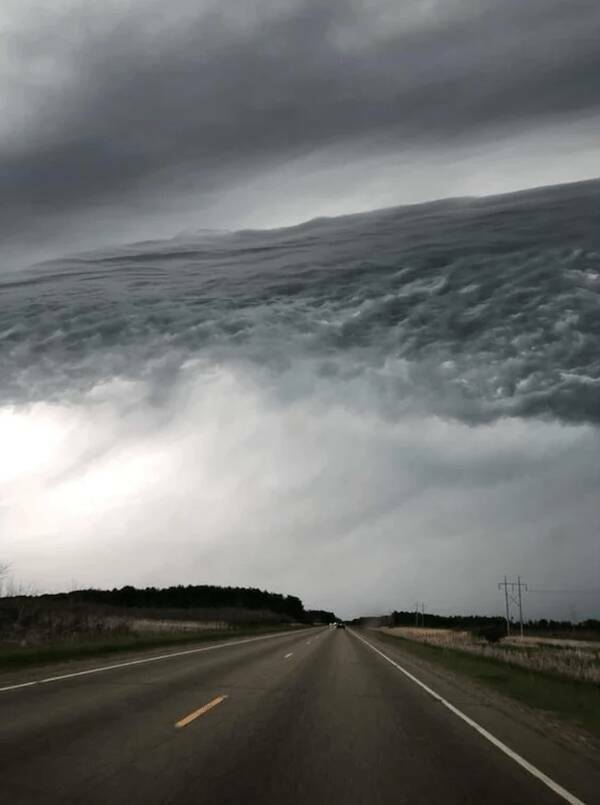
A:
566	592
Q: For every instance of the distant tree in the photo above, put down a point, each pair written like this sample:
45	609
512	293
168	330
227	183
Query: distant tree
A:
319	616
286	607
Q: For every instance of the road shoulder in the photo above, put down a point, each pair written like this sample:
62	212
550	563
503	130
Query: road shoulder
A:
566	753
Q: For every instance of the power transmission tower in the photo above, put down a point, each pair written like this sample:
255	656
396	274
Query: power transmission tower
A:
505	585
420	613
510	597
519	584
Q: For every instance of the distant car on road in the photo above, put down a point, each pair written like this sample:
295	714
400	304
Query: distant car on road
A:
340	625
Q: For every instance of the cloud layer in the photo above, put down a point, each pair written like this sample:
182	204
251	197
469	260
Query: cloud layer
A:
132	112
231	484
361	411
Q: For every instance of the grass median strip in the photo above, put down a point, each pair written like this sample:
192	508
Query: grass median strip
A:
200	712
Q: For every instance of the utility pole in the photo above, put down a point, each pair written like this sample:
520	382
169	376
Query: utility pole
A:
509	598
520	603
420	611
505	585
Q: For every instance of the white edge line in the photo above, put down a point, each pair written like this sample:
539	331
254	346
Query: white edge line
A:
144	660
558	789
288	655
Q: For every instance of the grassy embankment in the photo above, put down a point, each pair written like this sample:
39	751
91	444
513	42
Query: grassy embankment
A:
17	657
573	700
34	632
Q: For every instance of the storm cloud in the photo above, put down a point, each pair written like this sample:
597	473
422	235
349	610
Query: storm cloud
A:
129	118
363	410
230	483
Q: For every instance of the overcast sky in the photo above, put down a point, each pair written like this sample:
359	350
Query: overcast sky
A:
245	418
126	120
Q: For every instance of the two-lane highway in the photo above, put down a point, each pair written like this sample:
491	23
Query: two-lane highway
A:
316	716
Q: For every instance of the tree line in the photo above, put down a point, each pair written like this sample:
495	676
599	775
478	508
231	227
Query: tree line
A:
195	596
473	622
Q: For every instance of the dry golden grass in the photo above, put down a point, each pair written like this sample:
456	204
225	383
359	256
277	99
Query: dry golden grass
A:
571	658
36	622
145	625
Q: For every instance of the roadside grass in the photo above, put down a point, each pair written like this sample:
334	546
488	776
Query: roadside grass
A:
571	700
577	660
17	657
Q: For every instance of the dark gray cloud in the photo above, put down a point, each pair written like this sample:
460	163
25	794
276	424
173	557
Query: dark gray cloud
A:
131	107
364	410
470	309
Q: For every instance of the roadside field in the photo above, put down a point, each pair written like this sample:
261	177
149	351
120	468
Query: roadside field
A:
532	676
577	660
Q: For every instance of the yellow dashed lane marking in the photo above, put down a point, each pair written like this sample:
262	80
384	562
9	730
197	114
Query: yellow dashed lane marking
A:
200	712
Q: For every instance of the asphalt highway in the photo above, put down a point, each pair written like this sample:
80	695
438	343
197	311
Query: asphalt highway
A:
317	716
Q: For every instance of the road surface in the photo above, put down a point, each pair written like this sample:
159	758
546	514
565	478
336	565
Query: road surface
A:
316	716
